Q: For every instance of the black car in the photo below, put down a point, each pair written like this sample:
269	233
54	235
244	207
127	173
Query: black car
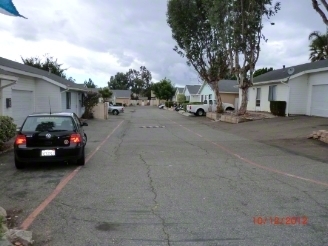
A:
50	138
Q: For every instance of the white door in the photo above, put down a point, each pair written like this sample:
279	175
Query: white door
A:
319	100
22	105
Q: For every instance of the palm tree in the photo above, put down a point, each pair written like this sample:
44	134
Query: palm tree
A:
318	46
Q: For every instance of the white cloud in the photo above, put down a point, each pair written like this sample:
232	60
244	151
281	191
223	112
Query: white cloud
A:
96	39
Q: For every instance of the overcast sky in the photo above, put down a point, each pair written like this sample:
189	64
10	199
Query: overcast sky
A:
96	39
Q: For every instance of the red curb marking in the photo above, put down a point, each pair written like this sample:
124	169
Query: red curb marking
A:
251	162
29	220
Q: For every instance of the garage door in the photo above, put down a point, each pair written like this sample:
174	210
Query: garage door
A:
319	100
22	105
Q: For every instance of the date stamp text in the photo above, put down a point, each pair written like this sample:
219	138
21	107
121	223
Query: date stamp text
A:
278	220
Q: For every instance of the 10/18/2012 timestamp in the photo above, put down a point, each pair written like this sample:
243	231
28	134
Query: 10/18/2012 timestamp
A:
287	220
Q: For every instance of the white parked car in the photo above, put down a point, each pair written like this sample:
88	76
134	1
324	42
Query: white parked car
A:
115	110
202	109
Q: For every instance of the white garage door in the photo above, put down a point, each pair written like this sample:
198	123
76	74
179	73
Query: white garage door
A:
22	105
319	101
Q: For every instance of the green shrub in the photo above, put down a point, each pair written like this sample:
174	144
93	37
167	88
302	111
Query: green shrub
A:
7	129
278	108
169	104
2	221
181	98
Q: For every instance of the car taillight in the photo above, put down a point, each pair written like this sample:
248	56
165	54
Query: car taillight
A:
75	138
20	139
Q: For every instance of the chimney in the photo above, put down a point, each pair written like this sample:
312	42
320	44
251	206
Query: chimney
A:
283	67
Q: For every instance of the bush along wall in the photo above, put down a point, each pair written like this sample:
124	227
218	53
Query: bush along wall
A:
278	108
169	104
7	129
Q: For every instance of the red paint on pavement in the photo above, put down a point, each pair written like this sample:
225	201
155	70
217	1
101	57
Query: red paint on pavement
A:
252	162
29	220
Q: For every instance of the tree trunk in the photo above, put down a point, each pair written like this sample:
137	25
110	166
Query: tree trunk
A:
243	107
219	108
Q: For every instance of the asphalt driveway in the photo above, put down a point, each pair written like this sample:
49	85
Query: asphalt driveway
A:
163	179
286	133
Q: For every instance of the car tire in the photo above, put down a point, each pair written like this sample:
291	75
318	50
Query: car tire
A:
19	165
115	112
200	112
81	160
86	138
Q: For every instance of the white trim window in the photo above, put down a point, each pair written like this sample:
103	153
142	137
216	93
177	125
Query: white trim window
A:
258	97
272	93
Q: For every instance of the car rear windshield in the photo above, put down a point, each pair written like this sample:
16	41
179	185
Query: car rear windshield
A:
48	123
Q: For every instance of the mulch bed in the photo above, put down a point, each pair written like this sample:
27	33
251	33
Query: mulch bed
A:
7	146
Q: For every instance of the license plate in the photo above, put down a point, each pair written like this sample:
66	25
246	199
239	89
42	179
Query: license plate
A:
48	153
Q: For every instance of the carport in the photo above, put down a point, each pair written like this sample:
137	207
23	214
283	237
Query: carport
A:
7	79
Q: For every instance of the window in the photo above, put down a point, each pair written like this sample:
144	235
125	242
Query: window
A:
48	123
68	100
272	93
82	100
258	97
210	96
77	120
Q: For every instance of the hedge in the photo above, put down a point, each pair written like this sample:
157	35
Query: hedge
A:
169	104
7	129
278	108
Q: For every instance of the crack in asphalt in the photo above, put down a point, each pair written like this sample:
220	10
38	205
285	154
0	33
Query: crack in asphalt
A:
194	145
121	139
153	190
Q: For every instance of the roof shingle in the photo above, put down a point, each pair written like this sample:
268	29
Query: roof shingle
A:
280	74
29	69
122	93
193	89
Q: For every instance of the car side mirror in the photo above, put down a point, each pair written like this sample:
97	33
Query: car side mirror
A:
84	124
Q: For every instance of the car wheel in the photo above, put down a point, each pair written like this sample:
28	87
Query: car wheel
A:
81	160
115	112
18	164
200	112
86	138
